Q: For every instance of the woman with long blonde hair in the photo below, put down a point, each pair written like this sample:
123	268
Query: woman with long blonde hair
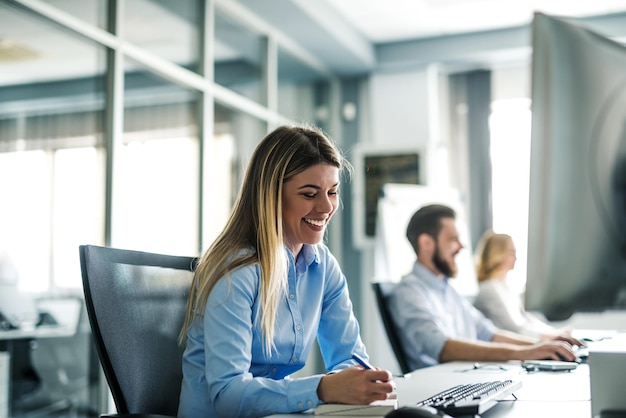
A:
268	287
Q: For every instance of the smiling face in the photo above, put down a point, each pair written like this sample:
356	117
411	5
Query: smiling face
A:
447	247
309	200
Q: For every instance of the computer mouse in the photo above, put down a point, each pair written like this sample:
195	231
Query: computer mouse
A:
413	411
582	352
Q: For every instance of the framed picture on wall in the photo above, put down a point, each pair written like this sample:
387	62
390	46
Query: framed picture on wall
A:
375	167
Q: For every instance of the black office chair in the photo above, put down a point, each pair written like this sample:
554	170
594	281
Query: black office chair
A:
136	305
381	291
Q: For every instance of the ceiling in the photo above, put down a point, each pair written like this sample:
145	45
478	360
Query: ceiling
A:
347	37
361	36
383	21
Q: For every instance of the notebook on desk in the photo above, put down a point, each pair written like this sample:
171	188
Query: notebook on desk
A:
377	408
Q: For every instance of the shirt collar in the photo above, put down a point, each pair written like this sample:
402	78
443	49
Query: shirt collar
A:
419	270
309	254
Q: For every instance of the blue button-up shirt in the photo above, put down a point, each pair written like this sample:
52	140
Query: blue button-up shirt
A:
226	371
428	311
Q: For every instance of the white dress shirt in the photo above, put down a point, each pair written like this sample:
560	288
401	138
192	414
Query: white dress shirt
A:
428	311
498	302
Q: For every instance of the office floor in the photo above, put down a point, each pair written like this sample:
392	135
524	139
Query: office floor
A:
58	414
34	397
37	405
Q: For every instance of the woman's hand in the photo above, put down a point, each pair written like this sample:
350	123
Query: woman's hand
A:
355	386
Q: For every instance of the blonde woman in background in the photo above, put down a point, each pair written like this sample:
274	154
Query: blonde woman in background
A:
495	258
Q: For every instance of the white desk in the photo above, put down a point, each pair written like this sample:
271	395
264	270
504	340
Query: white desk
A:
45	331
543	394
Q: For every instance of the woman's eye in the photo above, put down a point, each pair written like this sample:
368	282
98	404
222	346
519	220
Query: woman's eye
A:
308	195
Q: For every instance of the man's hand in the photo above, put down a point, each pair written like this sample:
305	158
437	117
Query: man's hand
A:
563	334
547	350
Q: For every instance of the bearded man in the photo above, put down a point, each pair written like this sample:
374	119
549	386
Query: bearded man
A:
435	323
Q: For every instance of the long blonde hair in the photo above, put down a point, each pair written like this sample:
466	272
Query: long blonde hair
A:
254	231
491	251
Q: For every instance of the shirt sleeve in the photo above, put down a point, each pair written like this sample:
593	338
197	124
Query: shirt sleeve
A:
338	333
228	334
415	316
485	329
427	320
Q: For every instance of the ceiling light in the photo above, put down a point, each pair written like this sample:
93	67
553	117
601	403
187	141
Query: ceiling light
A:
13	51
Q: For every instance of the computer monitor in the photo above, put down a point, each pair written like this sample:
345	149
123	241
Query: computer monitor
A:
577	211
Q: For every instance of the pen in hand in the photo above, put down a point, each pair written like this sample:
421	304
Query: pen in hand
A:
367	366
362	362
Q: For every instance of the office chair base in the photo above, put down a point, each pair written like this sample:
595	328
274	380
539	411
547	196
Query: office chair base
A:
134	416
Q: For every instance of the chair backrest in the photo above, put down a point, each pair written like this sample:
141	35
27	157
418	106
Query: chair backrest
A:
136	304
381	291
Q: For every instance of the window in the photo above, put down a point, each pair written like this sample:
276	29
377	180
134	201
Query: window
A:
51	166
510	124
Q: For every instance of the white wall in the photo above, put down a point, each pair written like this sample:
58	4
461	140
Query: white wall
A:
511	82
399	109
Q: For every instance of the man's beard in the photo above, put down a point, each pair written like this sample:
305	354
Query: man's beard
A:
448	269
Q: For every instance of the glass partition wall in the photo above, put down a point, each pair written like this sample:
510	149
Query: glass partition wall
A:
129	124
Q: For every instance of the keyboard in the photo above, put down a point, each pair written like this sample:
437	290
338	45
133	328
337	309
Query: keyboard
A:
471	398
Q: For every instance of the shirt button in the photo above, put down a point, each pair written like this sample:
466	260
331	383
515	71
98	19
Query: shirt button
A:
309	403
293	360
273	369
300	405
291	296
298	327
